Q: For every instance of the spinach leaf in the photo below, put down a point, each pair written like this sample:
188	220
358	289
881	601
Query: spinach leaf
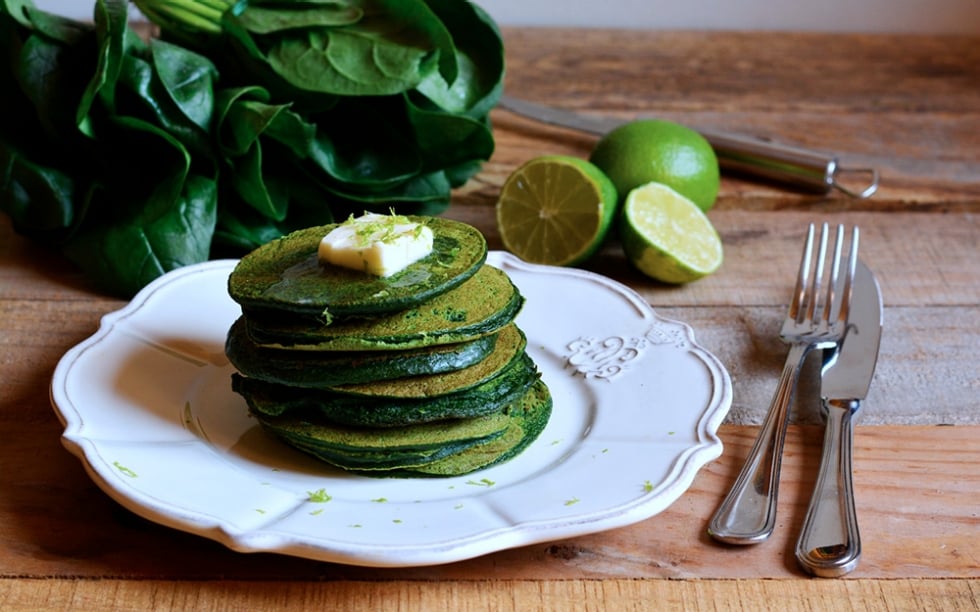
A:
39	199
54	27
17	10
242	228
390	48
188	78
285	15
111	30
245	125
142	94
366	145
446	139
479	57
122	246
50	72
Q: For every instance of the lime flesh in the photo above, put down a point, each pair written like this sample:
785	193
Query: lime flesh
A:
555	210
667	237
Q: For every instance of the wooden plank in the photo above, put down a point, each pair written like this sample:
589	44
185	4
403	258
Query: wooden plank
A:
912	114
735	320
927	370
916	494
920	260
723	71
493	594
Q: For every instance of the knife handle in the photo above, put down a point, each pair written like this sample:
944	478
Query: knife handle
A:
830	543
790	165
757	157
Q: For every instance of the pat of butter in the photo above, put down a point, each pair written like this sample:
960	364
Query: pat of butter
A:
377	244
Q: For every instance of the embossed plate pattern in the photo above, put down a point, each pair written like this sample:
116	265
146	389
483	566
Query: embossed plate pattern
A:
147	406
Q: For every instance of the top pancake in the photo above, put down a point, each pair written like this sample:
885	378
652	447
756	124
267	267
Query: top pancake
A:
286	276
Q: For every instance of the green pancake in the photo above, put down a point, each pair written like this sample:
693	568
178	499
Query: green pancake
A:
434	450
374	463
529	416
381	412
508	348
383	449
316	369
284	276
481	305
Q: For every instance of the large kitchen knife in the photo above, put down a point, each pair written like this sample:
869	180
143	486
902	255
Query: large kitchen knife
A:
830	543
760	158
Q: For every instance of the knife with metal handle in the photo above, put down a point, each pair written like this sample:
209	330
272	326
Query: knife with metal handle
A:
830	543
764	159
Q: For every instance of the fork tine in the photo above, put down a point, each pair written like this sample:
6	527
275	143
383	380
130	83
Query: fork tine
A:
845	302
832	288
802	278
814	305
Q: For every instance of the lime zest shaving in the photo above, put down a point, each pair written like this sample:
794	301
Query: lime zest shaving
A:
483	482
125	471
384	228
320	496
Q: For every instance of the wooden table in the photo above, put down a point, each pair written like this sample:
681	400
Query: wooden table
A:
907	105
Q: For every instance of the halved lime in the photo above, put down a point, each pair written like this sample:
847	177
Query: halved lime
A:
667	237
555	210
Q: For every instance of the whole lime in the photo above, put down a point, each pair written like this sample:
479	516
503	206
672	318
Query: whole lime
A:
655	150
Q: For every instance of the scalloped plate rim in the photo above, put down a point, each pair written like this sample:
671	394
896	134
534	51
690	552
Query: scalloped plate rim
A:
105	476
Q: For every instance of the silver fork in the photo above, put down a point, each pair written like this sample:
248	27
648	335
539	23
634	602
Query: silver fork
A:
815	320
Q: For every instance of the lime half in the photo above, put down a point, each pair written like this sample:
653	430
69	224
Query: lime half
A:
555	210
667	237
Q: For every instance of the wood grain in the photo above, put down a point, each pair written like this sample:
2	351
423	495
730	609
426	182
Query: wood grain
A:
498	595
912	114
916	490
909	105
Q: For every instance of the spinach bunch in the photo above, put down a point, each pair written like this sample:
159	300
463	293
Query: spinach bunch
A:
240	122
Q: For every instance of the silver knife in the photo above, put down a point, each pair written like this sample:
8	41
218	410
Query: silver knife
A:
830	543
740	154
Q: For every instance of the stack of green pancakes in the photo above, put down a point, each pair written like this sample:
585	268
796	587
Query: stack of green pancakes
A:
422	373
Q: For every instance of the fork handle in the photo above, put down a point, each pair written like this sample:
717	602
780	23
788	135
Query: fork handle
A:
830	543
748	514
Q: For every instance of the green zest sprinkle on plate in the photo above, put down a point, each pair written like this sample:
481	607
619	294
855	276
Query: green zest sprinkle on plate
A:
319	496
125	471
483	482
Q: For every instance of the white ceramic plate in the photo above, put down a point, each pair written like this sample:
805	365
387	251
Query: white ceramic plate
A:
147	406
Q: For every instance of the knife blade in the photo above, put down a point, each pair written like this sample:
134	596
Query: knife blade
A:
760	158
830	542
